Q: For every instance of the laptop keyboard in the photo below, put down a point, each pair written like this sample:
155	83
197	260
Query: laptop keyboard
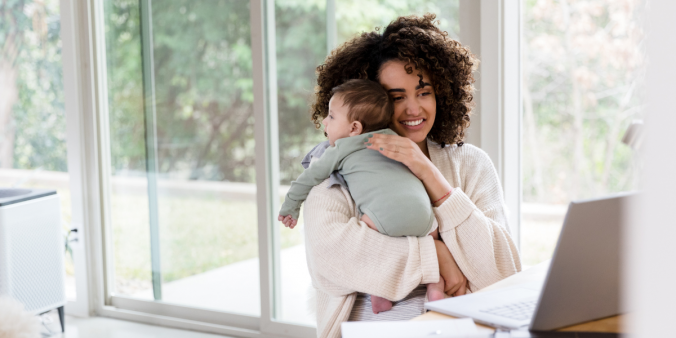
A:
516	311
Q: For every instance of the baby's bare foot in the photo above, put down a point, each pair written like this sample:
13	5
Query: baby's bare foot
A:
366	219
435	291
379	304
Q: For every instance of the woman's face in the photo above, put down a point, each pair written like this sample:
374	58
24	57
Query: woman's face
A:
414	107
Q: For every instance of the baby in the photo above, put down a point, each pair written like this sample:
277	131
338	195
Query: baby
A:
391	199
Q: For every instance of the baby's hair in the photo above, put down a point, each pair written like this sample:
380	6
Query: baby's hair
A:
367	102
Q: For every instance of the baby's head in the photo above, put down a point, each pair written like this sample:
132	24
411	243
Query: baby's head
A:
357	107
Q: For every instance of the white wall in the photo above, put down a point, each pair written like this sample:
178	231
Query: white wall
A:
650	274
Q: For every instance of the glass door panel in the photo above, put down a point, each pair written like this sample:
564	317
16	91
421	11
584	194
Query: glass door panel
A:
182	153
583	66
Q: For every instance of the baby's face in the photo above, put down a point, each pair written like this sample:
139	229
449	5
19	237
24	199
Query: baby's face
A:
336	124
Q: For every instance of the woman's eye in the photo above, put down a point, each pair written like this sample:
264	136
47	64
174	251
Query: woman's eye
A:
425	93
398	98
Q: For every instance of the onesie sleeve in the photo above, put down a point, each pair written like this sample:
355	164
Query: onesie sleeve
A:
473	224
318	171
345	256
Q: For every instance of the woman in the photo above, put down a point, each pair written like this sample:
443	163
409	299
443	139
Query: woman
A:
429	78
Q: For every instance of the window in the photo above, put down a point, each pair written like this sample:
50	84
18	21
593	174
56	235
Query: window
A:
583	70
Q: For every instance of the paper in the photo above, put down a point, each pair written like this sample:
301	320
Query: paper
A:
448	328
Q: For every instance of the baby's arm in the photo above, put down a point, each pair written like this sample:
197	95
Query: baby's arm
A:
320	169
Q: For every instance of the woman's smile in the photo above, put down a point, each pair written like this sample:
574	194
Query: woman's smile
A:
413	124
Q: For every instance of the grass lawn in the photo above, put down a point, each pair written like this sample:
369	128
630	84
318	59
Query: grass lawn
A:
197	234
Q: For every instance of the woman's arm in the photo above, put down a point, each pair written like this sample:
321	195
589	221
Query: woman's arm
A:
473	222
345	256
474	227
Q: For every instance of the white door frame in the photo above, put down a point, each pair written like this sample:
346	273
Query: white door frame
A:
492	30
79	95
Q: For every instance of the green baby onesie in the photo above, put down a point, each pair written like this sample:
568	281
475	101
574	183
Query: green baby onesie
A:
382	188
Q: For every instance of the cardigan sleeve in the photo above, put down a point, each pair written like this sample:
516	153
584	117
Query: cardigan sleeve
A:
345	256
473	224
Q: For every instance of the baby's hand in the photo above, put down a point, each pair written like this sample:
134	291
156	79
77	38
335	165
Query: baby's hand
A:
288	221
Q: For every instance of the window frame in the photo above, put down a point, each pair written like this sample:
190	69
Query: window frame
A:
491	28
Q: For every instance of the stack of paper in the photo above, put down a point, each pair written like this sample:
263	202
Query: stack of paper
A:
449	328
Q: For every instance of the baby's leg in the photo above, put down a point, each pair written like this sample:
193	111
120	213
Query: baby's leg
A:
379	304
366	219
435	291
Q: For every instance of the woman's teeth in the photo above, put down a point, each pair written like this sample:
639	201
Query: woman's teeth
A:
412	123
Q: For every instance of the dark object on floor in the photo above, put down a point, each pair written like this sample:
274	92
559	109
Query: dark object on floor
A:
62	318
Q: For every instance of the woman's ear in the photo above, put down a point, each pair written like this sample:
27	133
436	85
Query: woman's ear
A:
355	128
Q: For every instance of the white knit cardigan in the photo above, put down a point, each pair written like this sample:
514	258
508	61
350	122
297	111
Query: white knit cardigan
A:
344	256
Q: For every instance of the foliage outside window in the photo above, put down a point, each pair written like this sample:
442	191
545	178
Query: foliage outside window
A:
583	72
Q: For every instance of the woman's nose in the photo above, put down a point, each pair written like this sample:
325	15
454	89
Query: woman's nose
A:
413	108
324	121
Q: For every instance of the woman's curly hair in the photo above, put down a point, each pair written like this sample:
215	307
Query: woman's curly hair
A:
416	41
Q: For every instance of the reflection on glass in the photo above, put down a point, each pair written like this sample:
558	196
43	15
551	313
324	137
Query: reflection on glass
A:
32	115
301	35
206	202
582	72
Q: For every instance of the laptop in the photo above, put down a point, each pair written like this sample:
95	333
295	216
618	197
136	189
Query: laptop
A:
582	282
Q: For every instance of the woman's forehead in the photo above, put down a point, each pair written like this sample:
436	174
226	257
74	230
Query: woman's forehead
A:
393	74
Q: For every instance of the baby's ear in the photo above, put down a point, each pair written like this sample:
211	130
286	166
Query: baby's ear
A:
356	128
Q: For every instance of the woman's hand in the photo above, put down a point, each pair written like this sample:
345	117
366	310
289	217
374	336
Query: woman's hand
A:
455	280
402	149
